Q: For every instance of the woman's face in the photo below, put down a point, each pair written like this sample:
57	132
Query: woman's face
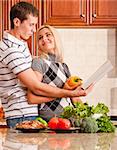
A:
46	40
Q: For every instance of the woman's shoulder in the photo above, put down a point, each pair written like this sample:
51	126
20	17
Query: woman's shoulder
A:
37	59
38	64
42	61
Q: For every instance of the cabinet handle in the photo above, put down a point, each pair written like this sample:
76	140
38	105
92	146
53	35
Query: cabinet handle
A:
82	8
82	15
94	15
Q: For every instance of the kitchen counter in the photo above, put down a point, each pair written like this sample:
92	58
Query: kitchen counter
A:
13	140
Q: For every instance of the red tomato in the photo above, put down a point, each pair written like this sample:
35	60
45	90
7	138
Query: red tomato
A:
59	123
53	123
64	123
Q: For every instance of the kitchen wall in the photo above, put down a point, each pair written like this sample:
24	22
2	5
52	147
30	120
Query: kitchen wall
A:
84	51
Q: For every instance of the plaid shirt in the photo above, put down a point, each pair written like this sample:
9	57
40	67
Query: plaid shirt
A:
55	74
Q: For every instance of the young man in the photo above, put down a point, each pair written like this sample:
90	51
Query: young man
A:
16	74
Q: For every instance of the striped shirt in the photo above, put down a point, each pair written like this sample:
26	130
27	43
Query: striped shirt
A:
14	58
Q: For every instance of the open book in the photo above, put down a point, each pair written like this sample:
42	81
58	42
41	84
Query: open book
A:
100	72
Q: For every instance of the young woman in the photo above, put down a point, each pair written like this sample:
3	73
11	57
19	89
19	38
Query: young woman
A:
51	69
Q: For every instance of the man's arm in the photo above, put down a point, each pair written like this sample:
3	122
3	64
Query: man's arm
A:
37	99
29	78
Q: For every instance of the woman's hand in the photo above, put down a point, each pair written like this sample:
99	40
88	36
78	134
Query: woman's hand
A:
89	89
76	99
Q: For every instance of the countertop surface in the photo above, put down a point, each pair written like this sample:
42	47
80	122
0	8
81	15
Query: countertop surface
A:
14	140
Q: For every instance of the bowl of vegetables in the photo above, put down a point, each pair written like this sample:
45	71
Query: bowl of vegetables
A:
90	119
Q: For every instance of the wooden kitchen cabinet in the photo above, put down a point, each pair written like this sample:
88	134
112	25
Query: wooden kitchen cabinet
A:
78	13
103	12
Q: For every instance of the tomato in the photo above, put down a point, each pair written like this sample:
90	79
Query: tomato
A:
53	123
59	123
64	124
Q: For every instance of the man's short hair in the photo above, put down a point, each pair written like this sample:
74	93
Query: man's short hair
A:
21	11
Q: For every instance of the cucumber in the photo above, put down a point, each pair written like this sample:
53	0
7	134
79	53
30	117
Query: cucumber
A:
42	121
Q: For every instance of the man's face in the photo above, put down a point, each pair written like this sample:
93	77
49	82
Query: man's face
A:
27	27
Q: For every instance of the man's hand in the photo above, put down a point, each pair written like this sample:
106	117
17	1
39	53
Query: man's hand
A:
79	91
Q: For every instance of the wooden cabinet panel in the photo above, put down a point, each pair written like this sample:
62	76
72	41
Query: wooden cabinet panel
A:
80	13
104	12
64	12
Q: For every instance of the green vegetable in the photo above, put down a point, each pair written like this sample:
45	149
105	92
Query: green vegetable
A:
68	112
89	125
77	123
80	110
105	124
42	121
100	108
84	116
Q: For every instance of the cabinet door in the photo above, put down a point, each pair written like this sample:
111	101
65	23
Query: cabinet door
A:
103	12
80	13
65	12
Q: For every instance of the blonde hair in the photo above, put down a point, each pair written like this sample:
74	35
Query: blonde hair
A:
58	43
